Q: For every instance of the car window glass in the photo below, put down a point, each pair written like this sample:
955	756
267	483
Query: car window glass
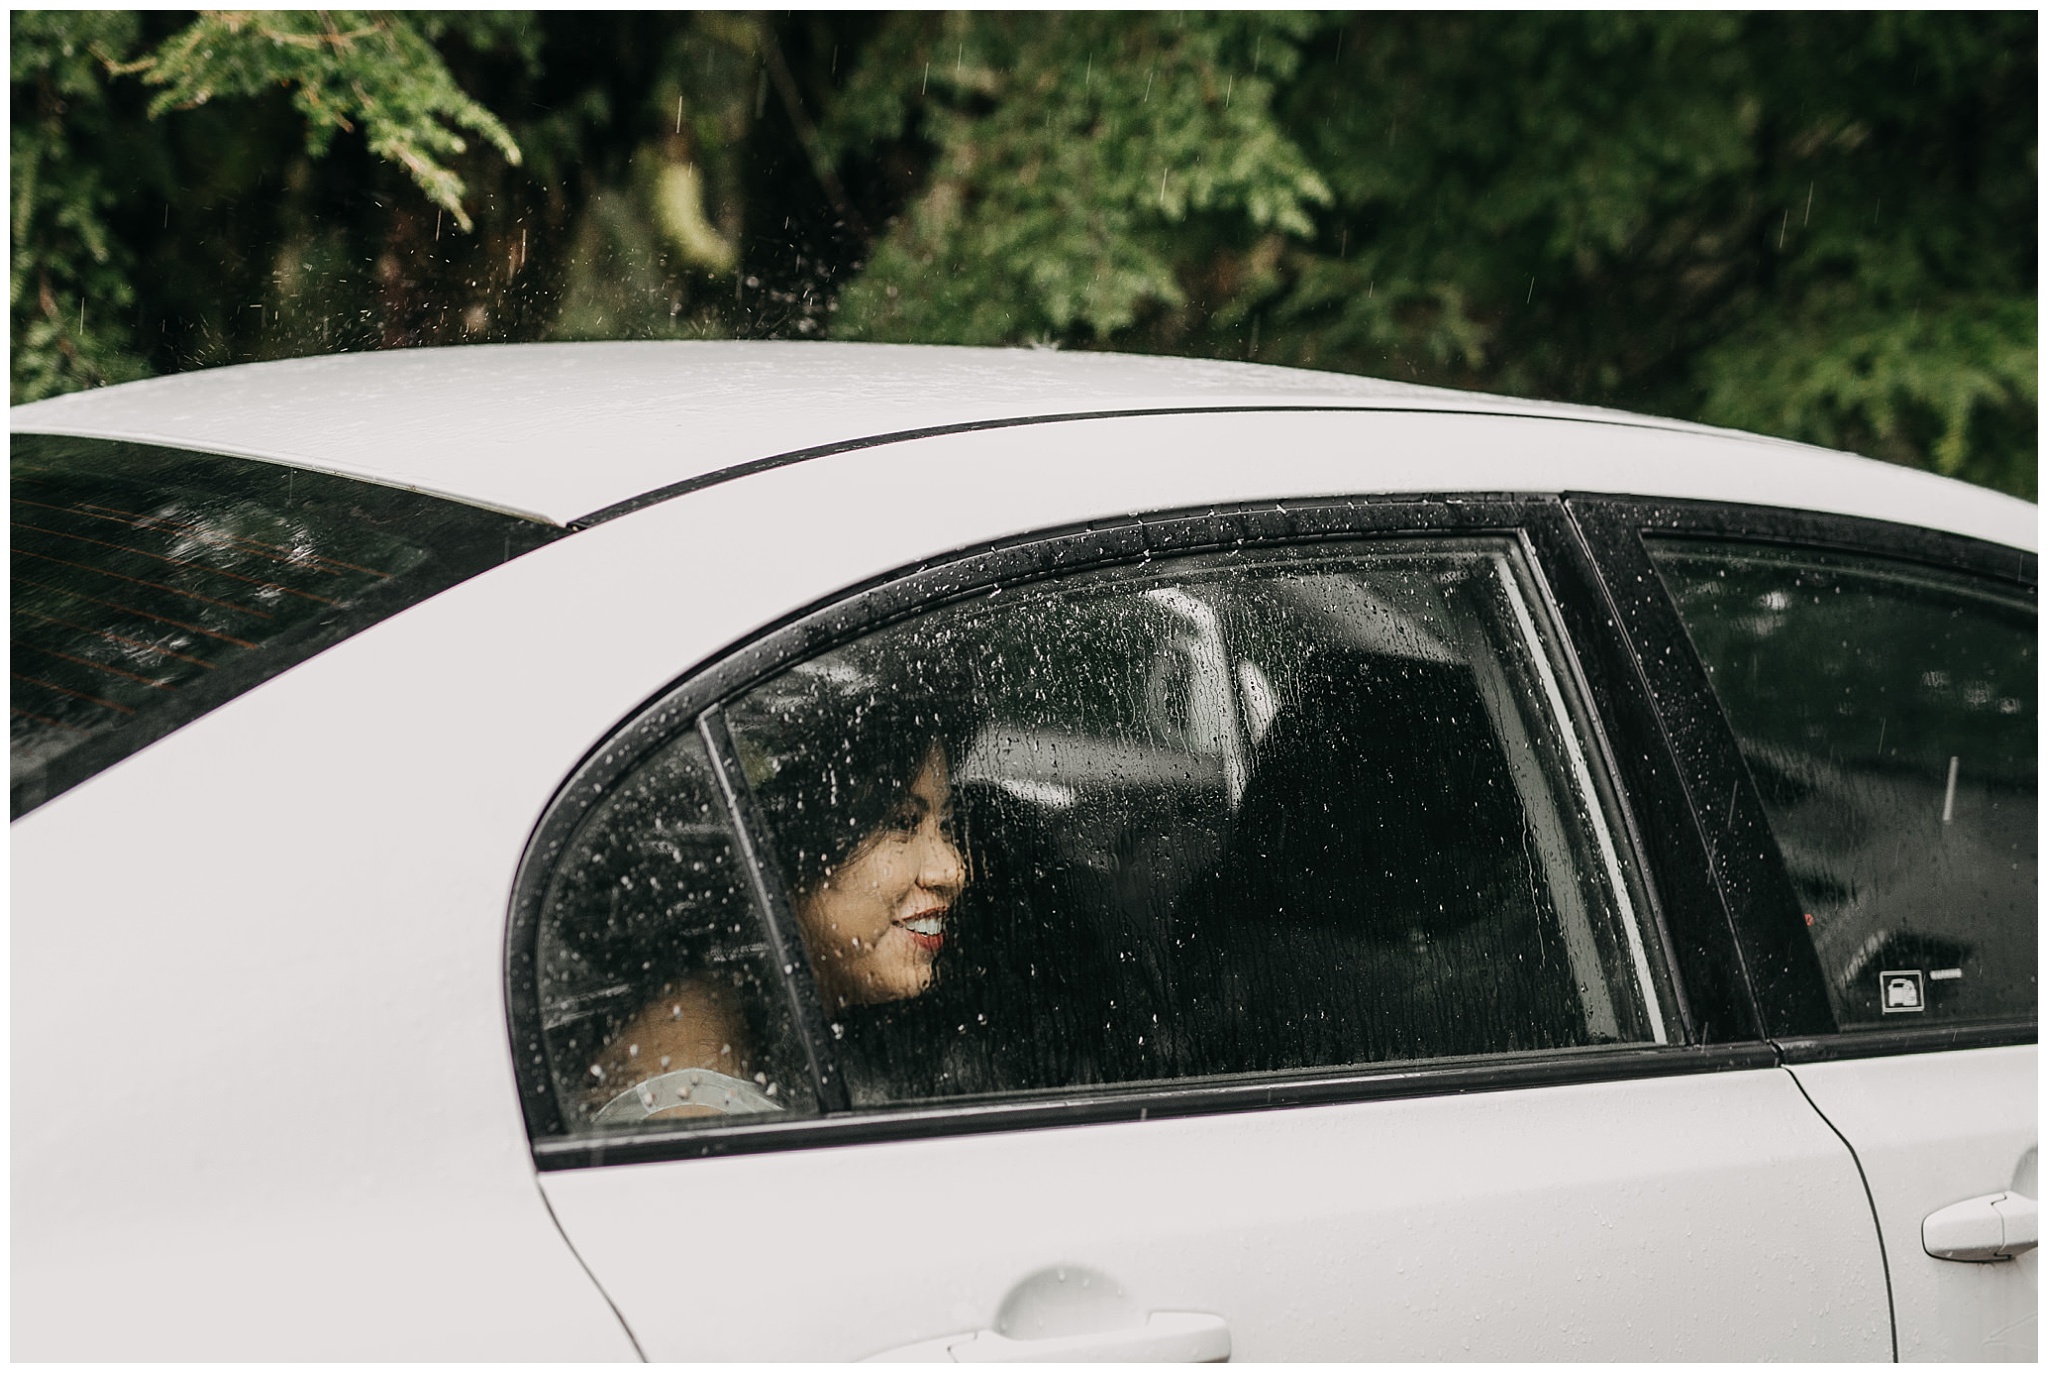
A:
151	585
660	1001
1886	713
1209	816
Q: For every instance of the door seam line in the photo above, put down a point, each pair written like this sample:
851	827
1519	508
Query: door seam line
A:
575	1253
1870	1199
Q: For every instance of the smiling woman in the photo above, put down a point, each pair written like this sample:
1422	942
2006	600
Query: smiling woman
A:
876	922
661	1008
851	759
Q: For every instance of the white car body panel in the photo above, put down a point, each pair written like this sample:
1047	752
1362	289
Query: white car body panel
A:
1708	1217
279	1114
1931	1130
366	1182
511	427
498	424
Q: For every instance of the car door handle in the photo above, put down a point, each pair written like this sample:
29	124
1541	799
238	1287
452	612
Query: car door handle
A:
1982	1229
1165	1337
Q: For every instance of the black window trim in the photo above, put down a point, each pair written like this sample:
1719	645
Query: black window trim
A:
1779	957
1157	1101
771	901
1566	591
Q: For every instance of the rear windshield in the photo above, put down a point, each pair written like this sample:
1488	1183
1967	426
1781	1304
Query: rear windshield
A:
151	585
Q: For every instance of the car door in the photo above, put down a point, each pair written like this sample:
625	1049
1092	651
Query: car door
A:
1862	702
1320	979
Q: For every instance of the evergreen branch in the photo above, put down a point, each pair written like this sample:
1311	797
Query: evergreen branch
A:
345	69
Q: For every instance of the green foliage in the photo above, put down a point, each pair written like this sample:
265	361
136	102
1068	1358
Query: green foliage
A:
1903	326
1815	224
69	278
643	247
1805	224
343	67
1947	386
1078	156
73	278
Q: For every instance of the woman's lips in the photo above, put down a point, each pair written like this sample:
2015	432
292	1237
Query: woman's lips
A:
927	929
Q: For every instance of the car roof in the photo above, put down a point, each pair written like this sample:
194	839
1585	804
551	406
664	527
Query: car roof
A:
566	431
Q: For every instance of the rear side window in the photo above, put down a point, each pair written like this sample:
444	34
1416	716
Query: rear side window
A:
1214	816
150	585
1289	810
1887	715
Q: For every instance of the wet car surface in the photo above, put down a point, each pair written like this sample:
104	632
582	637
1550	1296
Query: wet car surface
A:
816	851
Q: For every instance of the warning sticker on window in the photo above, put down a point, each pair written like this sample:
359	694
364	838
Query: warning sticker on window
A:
1902	991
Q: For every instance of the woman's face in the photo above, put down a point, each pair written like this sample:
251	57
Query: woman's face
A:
876	923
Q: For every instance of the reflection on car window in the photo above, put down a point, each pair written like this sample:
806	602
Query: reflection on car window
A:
1214	816
659	998
1887	715
151	585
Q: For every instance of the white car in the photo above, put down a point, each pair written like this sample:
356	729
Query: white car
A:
812	851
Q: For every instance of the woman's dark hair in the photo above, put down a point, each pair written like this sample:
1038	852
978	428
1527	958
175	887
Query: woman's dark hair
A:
832	745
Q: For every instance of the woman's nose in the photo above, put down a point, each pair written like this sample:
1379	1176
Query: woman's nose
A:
941	868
